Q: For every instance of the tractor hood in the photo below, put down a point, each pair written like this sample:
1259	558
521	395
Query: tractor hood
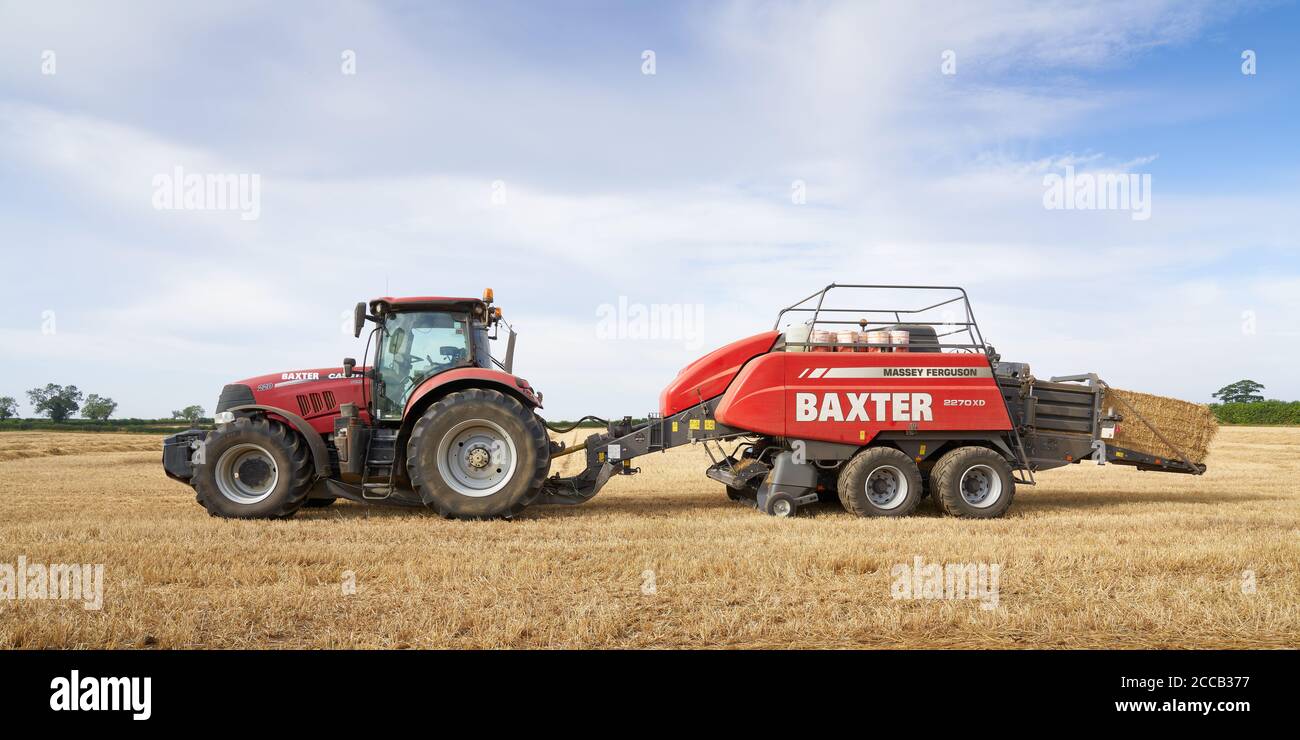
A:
314	394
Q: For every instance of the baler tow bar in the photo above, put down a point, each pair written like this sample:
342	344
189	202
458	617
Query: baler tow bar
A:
611	452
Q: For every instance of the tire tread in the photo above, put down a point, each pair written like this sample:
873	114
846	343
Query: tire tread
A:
538	439
947	496
870	457
302	471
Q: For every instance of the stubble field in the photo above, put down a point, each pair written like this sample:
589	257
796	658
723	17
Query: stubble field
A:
1091	557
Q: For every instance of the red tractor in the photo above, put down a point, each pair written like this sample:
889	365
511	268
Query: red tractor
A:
435	420
915	404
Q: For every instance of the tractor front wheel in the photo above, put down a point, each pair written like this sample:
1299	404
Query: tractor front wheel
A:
478	454
253	468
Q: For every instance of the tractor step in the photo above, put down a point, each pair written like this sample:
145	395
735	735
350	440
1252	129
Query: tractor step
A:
383	446
382	453
380	459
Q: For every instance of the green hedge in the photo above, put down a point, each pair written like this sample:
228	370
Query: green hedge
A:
140	426
1263	413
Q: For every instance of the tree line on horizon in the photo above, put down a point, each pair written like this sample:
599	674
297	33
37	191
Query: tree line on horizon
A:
59	403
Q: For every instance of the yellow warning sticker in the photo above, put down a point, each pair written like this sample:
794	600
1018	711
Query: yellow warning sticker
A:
923	449
695	423
710	424
674	426
600	456
862	436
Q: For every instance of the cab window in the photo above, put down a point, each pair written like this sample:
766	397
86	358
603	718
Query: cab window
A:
415	346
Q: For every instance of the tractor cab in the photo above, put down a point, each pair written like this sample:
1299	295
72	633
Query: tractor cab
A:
418	338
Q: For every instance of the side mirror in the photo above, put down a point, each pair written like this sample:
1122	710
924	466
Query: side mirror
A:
348	364
510	356
358	319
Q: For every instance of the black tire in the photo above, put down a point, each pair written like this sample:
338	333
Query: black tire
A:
319	503
982	470
462	411
740	494
253	446
895	473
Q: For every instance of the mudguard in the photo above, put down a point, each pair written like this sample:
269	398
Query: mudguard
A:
319	452
471	376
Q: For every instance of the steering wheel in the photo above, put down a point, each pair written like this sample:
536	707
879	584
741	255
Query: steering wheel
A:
409	382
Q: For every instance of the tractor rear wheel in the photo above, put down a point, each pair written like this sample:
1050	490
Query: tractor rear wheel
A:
880	481
973	482
478	454
253	468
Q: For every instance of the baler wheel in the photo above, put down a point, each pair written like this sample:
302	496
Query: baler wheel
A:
254	468
781	505
478	454
880	481
974	483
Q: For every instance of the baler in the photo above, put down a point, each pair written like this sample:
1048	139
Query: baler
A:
789	416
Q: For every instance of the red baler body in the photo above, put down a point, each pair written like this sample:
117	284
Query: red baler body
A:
842	397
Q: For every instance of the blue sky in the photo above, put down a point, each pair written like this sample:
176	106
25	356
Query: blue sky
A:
672	188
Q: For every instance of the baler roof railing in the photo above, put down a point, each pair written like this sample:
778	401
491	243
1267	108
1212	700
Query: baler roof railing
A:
826	316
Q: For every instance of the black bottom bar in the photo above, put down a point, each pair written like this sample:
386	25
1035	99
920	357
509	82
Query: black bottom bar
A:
192	690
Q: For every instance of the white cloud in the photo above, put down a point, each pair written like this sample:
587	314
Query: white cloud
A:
676	193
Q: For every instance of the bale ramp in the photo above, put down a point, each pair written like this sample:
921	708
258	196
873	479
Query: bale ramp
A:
1185	427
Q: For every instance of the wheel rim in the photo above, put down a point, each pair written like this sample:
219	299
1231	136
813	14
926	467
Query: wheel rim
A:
477	458
886	487
782	508
246	473
981	486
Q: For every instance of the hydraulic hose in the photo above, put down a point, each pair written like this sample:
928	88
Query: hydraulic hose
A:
576	424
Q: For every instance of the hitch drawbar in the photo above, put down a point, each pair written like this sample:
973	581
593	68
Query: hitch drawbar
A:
784	487
611	452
